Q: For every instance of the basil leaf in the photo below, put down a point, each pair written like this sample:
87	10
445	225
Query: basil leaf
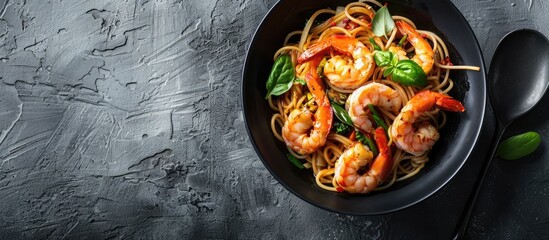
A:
518	146
383	23
281	77
281	88
341	114
394	61
383	58
409	73
388	71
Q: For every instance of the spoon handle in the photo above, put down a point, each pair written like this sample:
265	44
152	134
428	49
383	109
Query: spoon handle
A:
459	230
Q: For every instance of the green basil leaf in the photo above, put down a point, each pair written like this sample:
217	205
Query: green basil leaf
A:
383	58
388	71
383	23
281	77
341	114
518	146
394	61
409	73
282	87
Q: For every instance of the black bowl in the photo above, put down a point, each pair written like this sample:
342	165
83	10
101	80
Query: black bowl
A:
448	155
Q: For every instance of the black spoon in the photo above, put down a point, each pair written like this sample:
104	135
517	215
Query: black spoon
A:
518	78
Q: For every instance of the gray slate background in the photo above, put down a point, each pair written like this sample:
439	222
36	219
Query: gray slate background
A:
121	119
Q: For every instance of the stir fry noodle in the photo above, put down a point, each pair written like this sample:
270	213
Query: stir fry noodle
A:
361	109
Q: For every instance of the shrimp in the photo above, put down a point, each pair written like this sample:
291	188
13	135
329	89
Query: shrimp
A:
425	56
399	51
303	131
376	94
350	174
348	71
417	141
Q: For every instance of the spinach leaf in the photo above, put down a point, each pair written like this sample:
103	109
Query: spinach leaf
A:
383	23
409	73
282	76
518	146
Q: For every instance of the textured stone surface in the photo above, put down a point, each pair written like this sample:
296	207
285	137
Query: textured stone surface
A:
121	119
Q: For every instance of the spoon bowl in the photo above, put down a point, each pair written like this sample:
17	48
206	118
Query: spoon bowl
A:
518	78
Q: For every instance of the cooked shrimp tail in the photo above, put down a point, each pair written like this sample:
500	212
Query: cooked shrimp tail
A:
349	168
315	85
315	50
424	54
447	103
303	131
344	44
384	162
418	138
341	43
